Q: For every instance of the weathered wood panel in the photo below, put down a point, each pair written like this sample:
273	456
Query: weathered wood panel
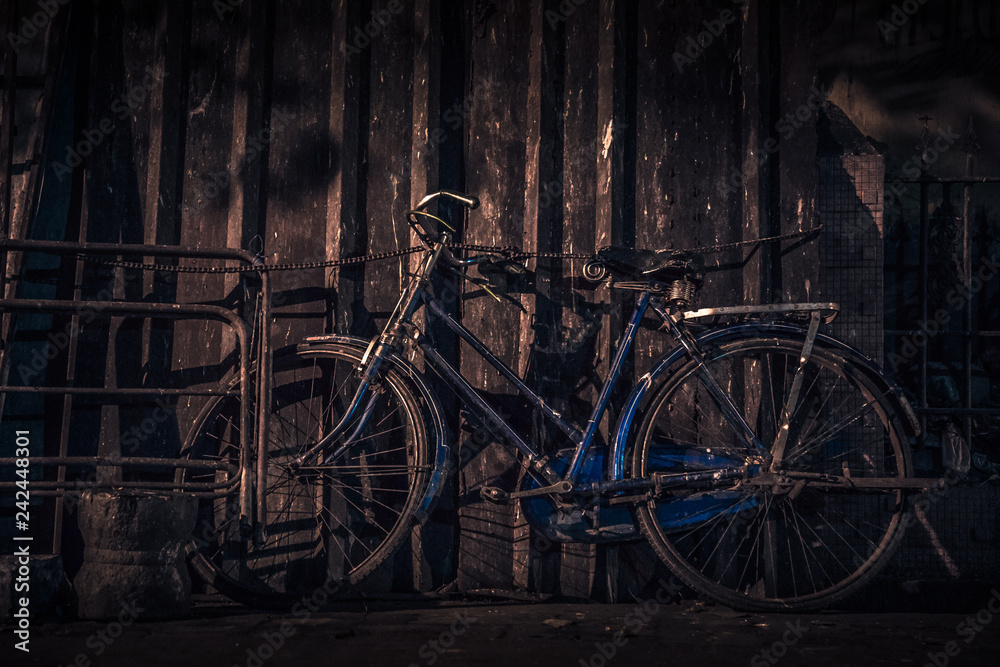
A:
615	204
686	130
802	24
298	150
113	216
156	26
345	226
574	122
389	166
496	171
535	568
576	313
431	543
202	351
24	140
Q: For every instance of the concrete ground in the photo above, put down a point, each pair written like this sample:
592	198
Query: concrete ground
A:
478	632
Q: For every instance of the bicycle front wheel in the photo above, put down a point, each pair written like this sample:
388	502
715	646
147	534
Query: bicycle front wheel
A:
329	524
774	545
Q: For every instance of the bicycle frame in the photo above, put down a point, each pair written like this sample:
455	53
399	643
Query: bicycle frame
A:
721	502
400	324
651	295
581	439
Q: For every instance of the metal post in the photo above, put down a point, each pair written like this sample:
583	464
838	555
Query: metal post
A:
7	130
924	187
967	322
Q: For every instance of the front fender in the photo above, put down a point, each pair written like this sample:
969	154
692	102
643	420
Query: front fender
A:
439	439
623	429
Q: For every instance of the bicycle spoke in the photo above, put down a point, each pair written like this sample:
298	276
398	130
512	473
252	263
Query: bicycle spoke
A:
335	520
797	549
833	430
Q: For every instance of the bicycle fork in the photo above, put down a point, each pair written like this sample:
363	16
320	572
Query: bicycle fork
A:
367	393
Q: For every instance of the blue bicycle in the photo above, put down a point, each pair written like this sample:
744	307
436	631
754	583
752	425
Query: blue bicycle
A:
766	463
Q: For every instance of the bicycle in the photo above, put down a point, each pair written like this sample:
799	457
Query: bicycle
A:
766	463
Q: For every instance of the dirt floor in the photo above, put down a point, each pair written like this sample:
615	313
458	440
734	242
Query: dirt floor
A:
959	632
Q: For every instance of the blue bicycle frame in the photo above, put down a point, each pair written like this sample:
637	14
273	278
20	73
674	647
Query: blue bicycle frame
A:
400	324
581	439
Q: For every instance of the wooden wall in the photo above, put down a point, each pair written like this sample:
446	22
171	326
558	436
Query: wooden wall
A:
574	121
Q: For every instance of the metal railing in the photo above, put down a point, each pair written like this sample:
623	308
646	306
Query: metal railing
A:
175	311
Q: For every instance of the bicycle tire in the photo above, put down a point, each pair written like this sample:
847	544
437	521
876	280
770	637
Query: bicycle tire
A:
328	526
760	548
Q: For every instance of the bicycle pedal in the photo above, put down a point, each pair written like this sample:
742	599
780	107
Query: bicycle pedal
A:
494	494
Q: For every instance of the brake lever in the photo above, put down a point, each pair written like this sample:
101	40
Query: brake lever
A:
511	266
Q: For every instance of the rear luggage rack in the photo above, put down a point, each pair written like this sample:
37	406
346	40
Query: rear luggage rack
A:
795	311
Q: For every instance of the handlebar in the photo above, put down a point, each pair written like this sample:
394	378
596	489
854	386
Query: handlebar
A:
419	219
470	202
421	222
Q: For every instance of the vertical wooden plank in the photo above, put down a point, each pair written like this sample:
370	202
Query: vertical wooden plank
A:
427	132
241	171
629	567
387	190
138	35
743	176
153	93
615	170
345	223
496	171
430	543
388	160
168	122
31	120
202	350
686	128
445	156
167	25
531	569
43	58
161	200
114	216
128	346
296	147
578	325
764	151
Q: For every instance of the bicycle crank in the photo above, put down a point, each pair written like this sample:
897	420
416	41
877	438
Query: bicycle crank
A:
497	495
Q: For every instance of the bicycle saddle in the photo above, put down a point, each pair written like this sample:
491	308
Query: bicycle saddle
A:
653	265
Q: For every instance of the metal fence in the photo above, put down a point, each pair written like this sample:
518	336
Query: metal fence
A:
942	312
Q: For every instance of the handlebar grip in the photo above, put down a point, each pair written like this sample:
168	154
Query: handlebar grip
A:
467	200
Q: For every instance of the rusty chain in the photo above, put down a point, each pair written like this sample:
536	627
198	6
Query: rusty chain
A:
509	252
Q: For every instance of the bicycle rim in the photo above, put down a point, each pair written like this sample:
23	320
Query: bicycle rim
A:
770	548
329	524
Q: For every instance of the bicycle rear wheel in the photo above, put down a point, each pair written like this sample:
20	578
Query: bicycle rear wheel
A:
774	547
329	524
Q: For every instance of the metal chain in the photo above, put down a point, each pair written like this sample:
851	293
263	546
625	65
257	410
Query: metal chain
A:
515	253
510	252
252	269
766	239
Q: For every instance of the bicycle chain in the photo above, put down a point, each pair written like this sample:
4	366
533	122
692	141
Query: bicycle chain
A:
510	252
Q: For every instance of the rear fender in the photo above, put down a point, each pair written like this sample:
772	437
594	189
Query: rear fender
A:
624	429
